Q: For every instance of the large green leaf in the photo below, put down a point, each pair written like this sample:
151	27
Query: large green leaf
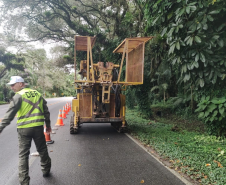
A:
206	114
201	115
215	37
214	12
172	48
164	31
220	27
153	23
188	10
201	82
211	119
193	8
221	110
196	64
197	39
220	43
211	107
170	32
178	45
190	41
200	108
215	113
197	57
202	57
187	77
184	68
219	101
210	17
205	27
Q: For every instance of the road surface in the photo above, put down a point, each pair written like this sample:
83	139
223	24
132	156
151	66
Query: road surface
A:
97	155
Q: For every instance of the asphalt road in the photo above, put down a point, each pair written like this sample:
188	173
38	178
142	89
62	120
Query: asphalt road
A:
97	155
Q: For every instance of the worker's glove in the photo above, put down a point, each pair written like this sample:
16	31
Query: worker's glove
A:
48	129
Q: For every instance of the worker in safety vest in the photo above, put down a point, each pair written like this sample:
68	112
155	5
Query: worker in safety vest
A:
32	112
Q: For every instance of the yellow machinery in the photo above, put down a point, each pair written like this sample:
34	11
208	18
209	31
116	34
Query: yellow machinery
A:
99	98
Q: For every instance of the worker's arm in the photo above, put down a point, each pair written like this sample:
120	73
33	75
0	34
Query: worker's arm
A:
47	116
14	106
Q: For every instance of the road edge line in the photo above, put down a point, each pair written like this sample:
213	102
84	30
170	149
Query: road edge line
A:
172	171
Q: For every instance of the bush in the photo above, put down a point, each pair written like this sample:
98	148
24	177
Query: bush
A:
161	109
212	112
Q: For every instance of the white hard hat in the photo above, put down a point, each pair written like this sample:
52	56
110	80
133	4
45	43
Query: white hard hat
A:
15	79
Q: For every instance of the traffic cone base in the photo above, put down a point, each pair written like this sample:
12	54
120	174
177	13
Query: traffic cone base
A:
47	137
50	142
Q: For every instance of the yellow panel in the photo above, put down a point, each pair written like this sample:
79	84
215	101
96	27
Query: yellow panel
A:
135	65
75	103
134	43
85	104
81	43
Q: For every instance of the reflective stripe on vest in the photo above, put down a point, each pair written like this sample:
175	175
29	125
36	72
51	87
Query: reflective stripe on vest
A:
35	105
33	121
31	111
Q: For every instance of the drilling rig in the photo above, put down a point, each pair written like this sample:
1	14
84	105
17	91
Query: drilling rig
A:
99	98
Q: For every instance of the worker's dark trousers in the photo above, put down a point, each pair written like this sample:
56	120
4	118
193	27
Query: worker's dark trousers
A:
25	136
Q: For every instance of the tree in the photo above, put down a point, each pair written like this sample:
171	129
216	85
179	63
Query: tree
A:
9	61
60	20
195	33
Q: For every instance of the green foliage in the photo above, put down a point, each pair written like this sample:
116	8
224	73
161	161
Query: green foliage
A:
68	58
130	98
142	98
195	35
212	112
10	61
162	108
2	102
174	105
47	14
200	156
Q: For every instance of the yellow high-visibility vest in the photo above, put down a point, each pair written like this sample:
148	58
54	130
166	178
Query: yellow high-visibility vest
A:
31	113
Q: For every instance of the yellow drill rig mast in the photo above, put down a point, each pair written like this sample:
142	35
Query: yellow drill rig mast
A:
99	98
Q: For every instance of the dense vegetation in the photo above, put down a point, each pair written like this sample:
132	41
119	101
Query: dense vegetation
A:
185	63
38	71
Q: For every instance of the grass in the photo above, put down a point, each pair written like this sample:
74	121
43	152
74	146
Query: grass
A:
2	102
198	155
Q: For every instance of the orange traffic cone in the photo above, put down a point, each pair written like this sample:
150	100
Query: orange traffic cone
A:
47	136
66	109
69	106
63	113
59	120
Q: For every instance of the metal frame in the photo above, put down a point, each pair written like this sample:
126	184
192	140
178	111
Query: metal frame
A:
86	43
